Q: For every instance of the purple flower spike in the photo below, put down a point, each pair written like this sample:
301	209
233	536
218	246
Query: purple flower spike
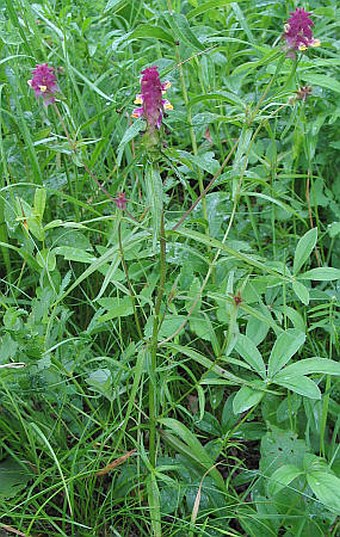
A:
121	201
298	31
151	99
44	83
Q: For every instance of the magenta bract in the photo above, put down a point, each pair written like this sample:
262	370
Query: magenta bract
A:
44	83
151	98
298	31
121	201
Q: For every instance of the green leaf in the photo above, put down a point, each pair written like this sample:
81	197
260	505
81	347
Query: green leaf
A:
100	381
170	325
322	80
226	96
202	327
326	488
114	5
246	398
243	22
154	500
312	463
207	6
304	248
74	254
310	366
256	330
39	203
301	385
282	477
116	307
246	348
333	229
301	292
148	30
207	162
13	478
323	274
182	31
280	447
46	259
248	259
195	449
154	192
129	134
286	345
205	362
35	227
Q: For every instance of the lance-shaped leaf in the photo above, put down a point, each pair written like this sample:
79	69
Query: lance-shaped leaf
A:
286	345
304	248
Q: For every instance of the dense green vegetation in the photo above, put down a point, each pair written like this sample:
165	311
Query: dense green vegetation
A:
168	364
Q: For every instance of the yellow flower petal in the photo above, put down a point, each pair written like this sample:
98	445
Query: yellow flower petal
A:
315	43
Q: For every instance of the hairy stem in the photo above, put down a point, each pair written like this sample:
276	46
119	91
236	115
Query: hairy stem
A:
131	289
154	346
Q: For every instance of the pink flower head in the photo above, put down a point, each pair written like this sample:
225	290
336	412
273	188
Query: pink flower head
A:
298	31
121	201
44	83
151	99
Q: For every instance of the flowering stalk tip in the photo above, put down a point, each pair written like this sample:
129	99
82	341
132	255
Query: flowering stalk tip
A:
298	31
44	83
121	201
152	104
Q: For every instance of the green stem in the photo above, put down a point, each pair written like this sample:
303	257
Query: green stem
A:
126	272
325	399
154	346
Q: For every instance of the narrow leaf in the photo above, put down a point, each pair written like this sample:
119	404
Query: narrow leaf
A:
301	385
75	254
246	398
310	366
154	505
323	81
195	448
304	248
286	345
207	6
39	203
156	32
246	348
301	292
183	32
322	274
206	362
